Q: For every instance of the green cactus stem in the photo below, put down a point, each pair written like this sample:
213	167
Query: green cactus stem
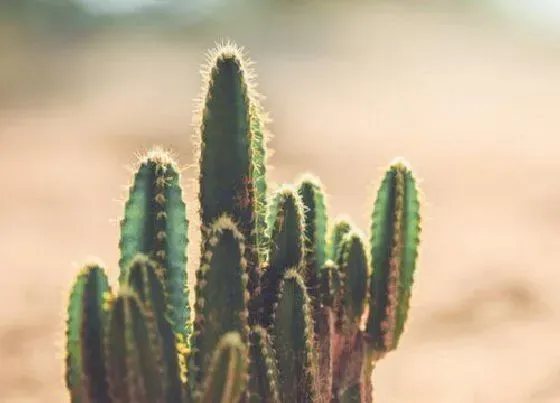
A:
395	231
315	232
330	286
353	265
285	227
155	225
134	356
73	366
221	295
259	137
340	228
293	341
226	165
315	219
263	373
227	375
283	310
145	277
87	319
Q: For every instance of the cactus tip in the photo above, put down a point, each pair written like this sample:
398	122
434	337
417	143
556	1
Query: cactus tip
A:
159	155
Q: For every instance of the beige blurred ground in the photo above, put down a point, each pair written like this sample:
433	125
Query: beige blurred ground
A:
473	107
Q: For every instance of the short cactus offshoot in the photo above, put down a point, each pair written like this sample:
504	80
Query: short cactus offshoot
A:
283	312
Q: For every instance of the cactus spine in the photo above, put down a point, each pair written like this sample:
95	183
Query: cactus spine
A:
282	312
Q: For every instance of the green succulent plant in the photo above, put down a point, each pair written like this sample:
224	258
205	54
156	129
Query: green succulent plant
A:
287	308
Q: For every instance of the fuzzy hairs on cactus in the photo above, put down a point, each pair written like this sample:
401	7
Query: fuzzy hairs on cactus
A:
145	278
288	306
286	248
293	341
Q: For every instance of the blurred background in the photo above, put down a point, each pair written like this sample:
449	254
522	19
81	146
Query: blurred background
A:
466	90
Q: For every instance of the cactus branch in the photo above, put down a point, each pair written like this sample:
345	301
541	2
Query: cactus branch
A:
395	233
155	225
221	295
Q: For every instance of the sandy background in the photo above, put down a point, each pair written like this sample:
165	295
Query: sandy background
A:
471	105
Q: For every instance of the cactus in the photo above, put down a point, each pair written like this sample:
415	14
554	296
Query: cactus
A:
87	321
263	374
293	338
221	282
228	177
155	224
134	352
394	247
146	280
282	312
285	234
227	372
315	232
353	267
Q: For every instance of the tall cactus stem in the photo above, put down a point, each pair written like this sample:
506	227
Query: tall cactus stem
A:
286	249
221	295
134	357
226	184
263	373
395	231
315	219
87	320
293	341
145	277
155	224
353	265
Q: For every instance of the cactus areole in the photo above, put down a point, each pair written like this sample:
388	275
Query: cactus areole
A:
287	307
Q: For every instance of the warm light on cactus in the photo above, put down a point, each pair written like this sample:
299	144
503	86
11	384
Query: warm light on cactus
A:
281	297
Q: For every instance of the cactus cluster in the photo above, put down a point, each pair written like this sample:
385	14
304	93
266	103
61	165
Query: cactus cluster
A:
287	307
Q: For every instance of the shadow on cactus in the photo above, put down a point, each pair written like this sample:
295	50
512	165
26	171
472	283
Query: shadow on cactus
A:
287	307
